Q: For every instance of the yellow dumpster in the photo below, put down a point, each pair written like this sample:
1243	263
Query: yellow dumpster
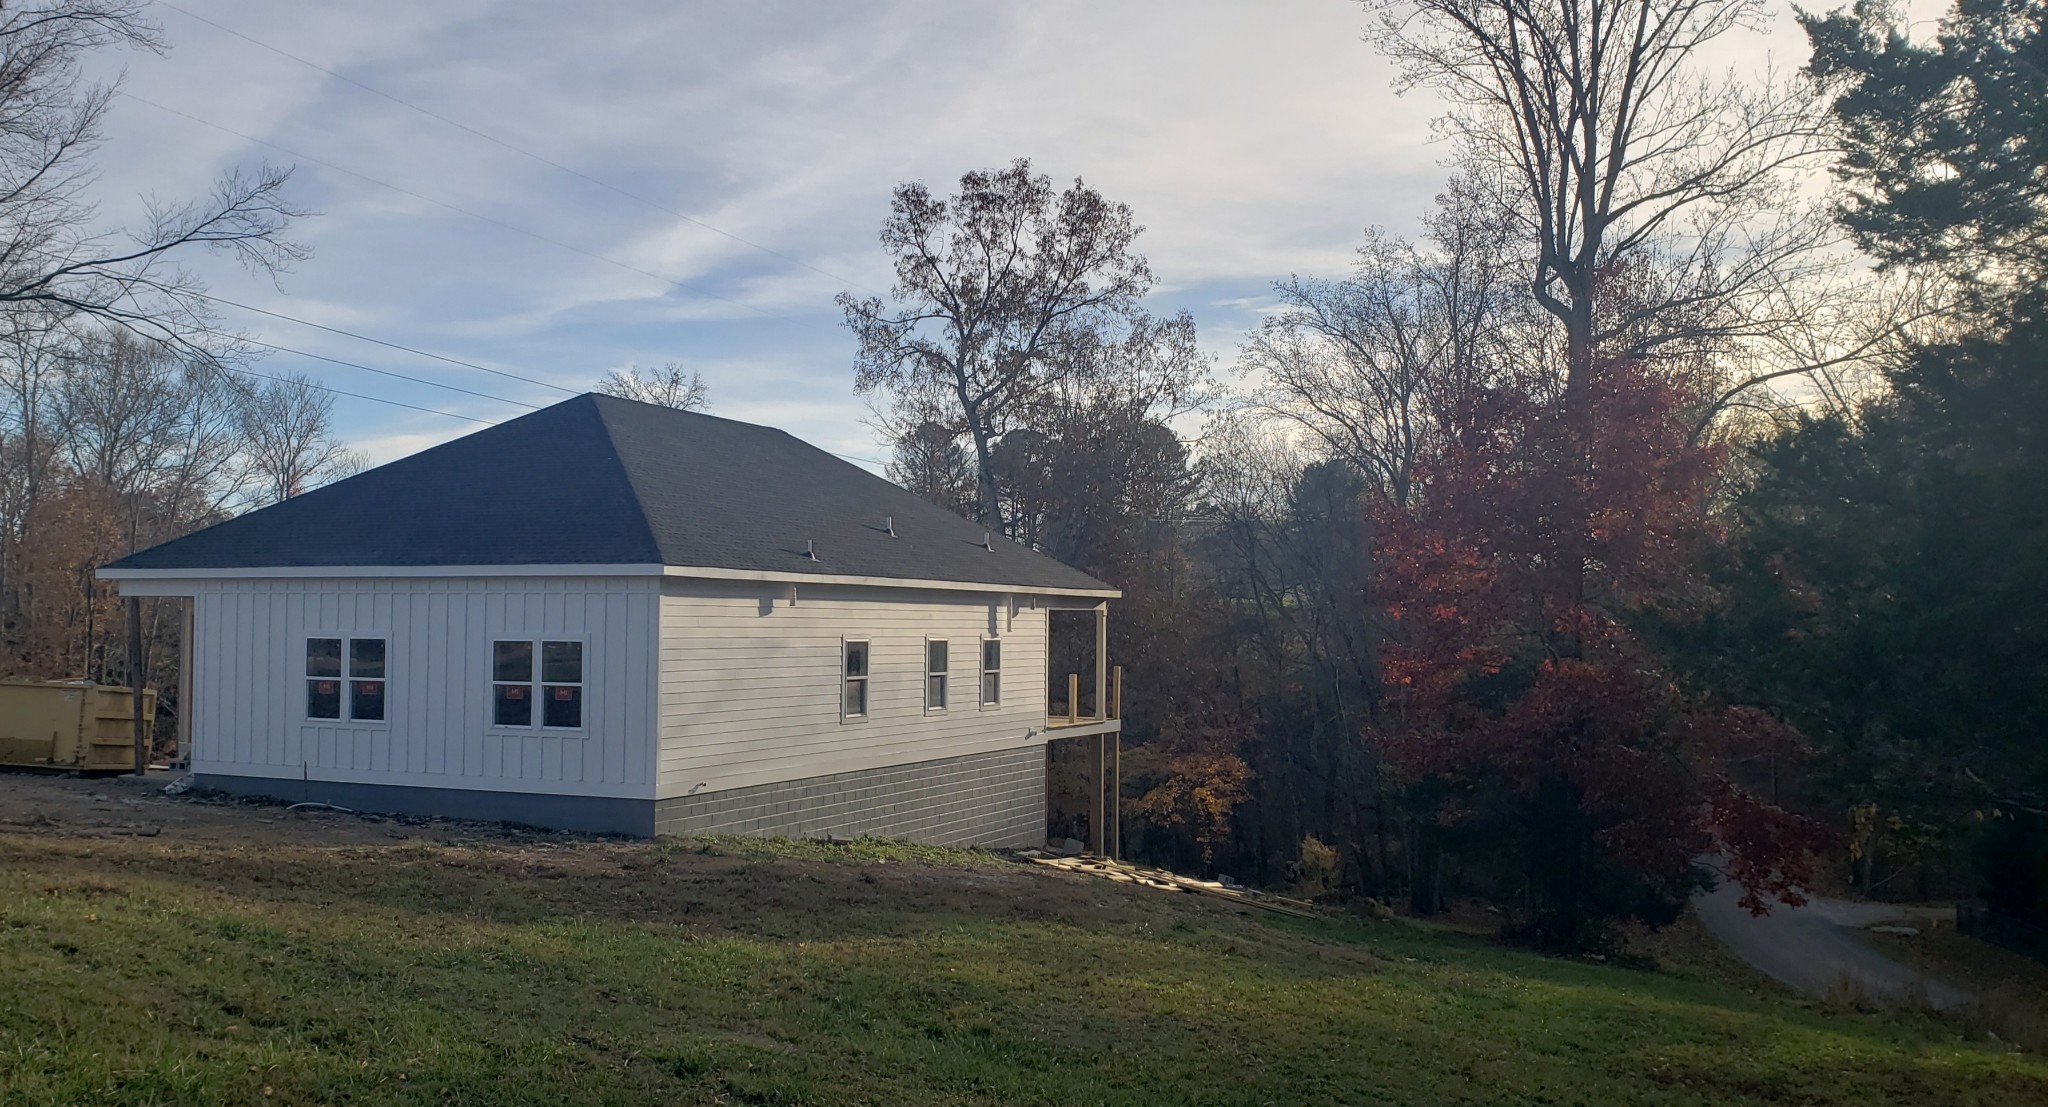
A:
70	724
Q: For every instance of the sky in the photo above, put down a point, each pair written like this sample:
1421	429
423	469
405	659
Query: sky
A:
556	190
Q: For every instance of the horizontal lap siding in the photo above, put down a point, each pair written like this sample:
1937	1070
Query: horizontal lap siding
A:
750	683
249	689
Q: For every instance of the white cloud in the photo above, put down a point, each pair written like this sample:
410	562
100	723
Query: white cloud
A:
1253	140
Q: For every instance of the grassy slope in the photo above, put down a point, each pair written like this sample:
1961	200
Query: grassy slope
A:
139	972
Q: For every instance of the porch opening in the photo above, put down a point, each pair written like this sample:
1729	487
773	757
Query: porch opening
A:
1082	688
1084	722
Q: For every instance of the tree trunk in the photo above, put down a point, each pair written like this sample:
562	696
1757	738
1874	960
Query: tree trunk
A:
985	474
1578	336
985	486
1425	869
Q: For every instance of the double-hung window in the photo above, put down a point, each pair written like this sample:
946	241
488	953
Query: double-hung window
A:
935	674
546	670
991	672
345	679
853	698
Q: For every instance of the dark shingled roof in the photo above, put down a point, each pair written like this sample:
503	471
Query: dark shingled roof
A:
602	481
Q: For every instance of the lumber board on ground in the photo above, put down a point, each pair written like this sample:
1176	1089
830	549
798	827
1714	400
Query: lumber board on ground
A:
1124	873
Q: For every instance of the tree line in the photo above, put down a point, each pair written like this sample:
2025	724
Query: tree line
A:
128	413
1653	518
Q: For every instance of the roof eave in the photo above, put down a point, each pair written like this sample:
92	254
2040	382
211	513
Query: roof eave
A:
697	572
779	577
116	572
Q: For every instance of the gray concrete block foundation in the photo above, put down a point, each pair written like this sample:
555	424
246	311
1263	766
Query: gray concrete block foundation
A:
986	799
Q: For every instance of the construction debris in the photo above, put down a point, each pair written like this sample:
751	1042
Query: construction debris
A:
1125	873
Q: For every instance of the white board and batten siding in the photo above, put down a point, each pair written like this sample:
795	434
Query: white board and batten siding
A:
250	696
751	683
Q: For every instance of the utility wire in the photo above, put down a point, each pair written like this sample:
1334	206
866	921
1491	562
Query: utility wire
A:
357	395
373	369
381	342
196	294
391	373
513	147
420	380
422	353
492	220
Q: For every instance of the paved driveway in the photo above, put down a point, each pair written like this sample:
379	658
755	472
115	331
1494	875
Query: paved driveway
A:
1815	948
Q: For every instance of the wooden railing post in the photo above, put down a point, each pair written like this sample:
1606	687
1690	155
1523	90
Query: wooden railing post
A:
1116	692
1073	698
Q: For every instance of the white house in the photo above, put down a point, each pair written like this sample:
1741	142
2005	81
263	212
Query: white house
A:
612	616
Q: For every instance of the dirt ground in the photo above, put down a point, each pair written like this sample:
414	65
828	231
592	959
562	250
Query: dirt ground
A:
71	806
791	888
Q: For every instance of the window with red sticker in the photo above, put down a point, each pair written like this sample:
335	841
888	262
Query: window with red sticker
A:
550	670
362	662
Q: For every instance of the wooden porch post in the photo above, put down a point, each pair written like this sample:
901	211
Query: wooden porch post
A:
186	622
1102	660
1097	832
1116	800
136	679
1105	834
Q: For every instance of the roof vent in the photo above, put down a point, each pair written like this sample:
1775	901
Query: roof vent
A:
811	548
988	541
889	524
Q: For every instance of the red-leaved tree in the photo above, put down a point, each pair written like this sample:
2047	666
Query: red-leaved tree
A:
1517	695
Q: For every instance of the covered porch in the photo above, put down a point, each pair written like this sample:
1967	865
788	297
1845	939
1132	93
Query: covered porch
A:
1084	723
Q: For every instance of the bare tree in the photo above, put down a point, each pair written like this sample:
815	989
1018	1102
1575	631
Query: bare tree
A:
1370	366
30	373
287	428
666	387
991	284
161	429
1618	148
929	460
31	358
54	259
118	410
125	441
1150	367
1093	464
210	471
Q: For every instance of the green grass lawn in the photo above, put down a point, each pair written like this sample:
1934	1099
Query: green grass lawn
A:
549	971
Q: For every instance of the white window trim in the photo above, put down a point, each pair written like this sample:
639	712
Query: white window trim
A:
346	720
925	667
981	672
868	680
538	683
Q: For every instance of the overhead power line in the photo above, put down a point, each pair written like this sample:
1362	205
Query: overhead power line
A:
459	210
507	145
211	298
381	342
374	369
389	372
357	395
